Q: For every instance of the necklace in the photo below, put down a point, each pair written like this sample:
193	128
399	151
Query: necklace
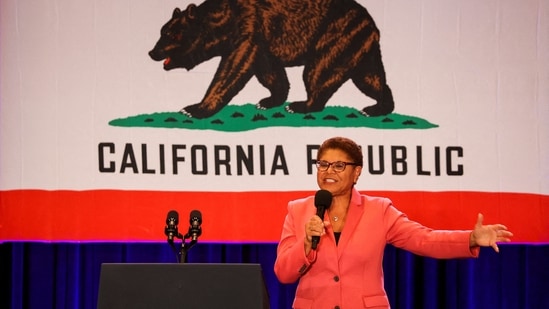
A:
336	218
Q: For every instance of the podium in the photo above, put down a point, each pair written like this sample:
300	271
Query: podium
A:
185	286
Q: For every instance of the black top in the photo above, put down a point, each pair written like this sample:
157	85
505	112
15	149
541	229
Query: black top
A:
337	234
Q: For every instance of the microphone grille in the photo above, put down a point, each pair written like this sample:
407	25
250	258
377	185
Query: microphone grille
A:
173	216
323	198
196	214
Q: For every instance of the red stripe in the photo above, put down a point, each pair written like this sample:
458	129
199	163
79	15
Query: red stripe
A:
113	215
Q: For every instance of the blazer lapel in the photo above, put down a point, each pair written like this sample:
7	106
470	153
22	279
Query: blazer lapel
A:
356	209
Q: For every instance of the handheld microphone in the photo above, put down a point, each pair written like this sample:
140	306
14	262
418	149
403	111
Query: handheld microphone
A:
171	225
195	220
323	200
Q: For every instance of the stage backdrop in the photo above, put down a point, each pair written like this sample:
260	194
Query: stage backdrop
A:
94	147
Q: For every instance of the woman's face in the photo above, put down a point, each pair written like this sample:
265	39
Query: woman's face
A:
338	183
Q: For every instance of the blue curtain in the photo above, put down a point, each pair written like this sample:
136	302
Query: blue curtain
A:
66	275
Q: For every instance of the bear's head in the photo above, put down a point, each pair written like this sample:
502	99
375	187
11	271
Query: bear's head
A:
192	36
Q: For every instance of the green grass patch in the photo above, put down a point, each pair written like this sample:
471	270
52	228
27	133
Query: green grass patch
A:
237	118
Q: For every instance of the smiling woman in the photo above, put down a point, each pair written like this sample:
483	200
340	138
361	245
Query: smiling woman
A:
337	256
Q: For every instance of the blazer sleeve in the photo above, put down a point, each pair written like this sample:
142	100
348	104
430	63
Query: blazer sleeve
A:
421	240
291	262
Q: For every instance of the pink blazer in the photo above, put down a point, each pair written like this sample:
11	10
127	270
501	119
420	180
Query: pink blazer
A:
350	275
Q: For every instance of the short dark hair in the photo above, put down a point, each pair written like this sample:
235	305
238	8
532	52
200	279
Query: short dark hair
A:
352	149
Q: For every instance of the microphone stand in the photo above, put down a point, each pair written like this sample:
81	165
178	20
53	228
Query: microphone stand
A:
185	247
193	234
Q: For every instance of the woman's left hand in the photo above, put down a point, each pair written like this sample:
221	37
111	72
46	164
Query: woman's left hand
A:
489	235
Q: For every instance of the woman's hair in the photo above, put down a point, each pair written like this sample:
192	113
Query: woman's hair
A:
344	144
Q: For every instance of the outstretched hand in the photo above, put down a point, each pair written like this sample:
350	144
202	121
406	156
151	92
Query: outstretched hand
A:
489	235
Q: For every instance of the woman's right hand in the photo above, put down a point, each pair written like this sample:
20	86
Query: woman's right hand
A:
313	227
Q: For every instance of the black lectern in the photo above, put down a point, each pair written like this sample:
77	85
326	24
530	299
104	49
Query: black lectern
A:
185	286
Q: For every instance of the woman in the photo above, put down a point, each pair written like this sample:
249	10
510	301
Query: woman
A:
345	270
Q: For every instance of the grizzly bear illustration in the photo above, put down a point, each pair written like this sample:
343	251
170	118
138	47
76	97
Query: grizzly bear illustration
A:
334	40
